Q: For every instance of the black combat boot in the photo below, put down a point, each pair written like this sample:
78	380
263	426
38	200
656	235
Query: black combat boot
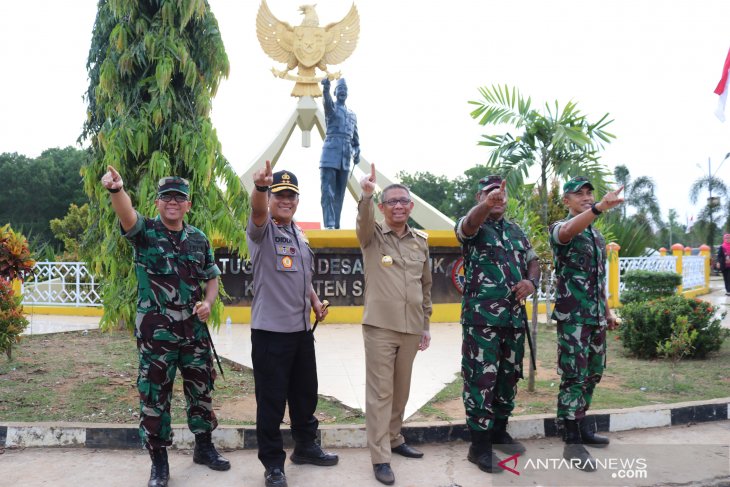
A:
574	451
480	452
588	435
502	440
160	472
206	454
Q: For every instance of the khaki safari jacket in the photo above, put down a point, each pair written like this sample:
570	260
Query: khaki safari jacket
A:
397	296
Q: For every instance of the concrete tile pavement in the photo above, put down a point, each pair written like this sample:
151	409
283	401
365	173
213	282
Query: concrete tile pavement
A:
341	360
689	455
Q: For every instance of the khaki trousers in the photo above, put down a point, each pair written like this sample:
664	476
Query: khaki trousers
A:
389	359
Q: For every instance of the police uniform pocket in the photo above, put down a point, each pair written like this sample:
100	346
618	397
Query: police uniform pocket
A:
286	256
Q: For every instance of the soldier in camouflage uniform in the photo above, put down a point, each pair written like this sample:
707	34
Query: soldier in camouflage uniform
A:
582	313
171	259
501	269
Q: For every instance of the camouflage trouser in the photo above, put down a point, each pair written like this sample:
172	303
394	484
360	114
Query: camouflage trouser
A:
158	363
581	359
491	365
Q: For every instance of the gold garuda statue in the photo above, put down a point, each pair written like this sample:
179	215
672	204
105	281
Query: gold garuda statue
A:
307	46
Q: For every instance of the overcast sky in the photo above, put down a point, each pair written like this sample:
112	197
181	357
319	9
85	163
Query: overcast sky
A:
653	65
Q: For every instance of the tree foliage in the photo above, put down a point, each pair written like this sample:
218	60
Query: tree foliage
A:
154	67
71	230
712	213
639	194
37	190
560	141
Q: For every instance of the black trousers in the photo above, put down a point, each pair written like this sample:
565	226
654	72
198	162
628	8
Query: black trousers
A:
726	278
284	370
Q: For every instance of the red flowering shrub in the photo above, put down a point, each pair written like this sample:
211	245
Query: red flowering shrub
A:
12	321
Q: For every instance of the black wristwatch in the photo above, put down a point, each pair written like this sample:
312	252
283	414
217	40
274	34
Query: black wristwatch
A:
595	210
114	190
263	189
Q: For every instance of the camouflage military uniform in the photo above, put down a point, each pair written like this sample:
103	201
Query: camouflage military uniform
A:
495	259
580	310
169	267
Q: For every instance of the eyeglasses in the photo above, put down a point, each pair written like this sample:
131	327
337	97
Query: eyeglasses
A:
395	201
167	197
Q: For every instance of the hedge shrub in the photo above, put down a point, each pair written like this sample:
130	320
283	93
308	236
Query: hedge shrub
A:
646	324
647	285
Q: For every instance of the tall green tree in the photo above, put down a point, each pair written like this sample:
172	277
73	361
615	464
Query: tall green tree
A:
154	67
711	214
559	141
46	186
639	194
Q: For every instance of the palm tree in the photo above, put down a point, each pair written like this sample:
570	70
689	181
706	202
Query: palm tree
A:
560	141
712	212
639	194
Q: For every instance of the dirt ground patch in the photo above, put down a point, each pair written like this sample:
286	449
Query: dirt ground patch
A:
91	376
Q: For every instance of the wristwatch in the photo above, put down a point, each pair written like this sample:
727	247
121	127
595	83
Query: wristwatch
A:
535	282
595	210
262	189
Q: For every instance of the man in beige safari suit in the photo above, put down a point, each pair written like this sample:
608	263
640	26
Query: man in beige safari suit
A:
396	319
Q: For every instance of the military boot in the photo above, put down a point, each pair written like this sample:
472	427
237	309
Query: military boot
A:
480	452
502	440
206	454
160	472
574	451
589	437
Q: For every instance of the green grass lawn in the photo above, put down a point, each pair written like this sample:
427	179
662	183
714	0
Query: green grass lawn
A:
627	381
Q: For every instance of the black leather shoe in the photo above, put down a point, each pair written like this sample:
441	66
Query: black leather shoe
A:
206	454
313	454
407	451
275	477
383	473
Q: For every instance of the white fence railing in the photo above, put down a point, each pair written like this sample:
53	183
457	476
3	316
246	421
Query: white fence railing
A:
71	284
61	284
656	264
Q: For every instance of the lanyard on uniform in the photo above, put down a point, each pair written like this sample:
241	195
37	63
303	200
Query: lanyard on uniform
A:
304	274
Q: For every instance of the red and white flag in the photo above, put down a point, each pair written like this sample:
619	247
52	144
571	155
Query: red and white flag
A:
722	88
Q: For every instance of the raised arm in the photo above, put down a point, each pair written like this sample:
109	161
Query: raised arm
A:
121	201
260	199
329	105
365	226
580	222
476	216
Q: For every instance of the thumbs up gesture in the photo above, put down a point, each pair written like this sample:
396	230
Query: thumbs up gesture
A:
111	180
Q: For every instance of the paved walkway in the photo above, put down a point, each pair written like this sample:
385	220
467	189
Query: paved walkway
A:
684	455
341	355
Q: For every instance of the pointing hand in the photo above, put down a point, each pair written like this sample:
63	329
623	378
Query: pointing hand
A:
111	179
264	177
367	183
610	200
